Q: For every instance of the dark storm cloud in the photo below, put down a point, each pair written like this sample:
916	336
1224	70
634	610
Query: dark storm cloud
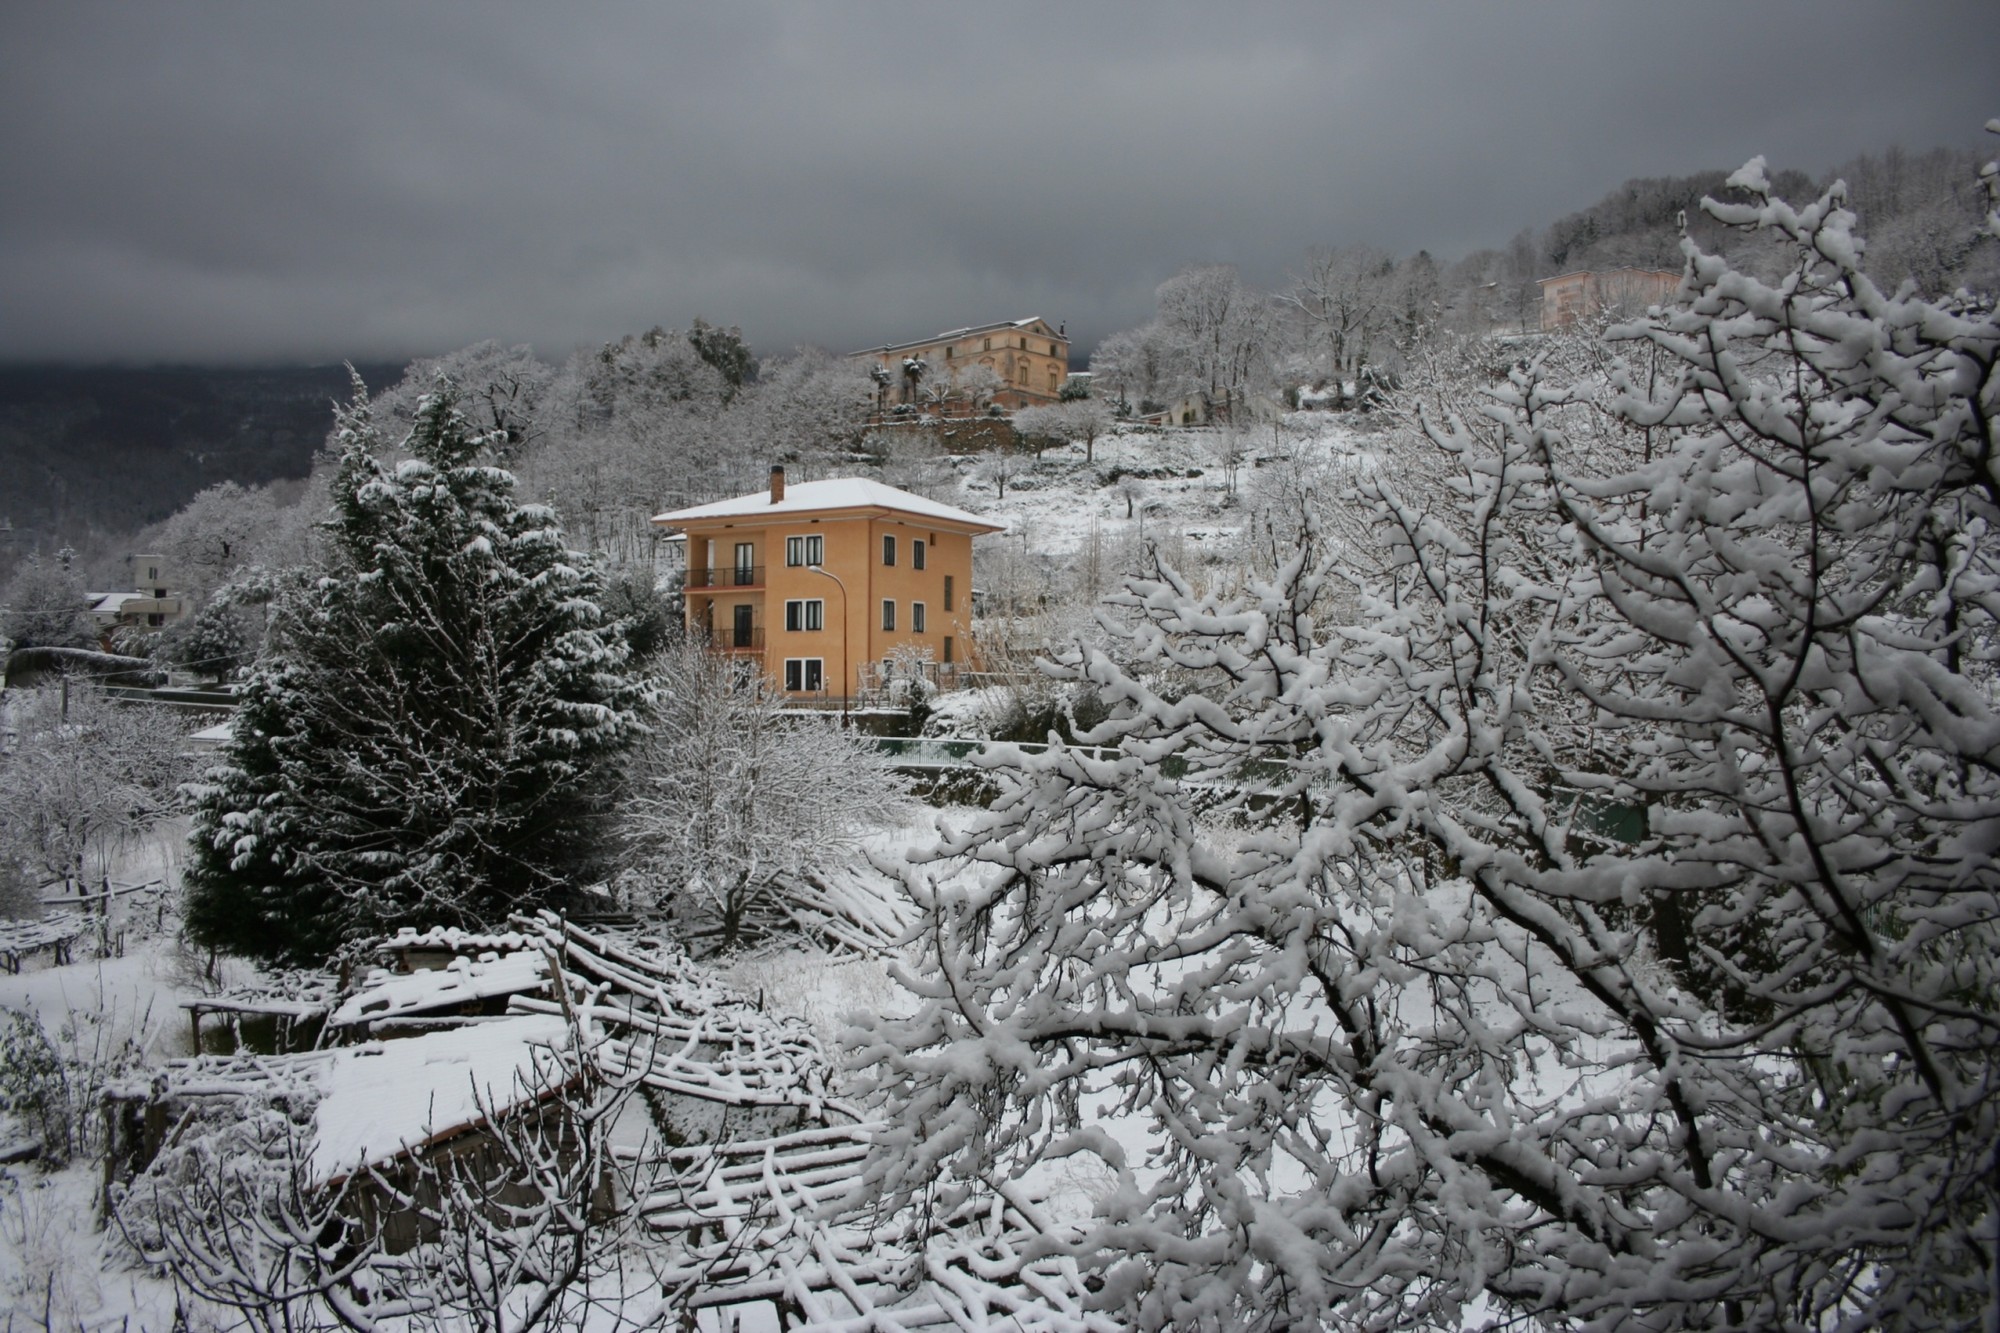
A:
262	182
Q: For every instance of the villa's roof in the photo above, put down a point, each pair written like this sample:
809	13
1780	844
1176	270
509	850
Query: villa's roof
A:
953	335
835	493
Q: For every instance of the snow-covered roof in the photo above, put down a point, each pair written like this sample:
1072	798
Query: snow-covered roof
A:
953	335
835	493
461	940
388	1096
464	981
1607	272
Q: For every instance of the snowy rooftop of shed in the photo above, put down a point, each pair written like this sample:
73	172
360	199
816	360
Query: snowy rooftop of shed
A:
385	1097
835	493
463	981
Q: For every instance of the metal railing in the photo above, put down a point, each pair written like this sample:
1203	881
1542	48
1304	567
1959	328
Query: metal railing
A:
728	576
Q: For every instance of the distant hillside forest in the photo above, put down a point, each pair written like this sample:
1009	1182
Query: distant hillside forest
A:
1918	211
93	457
90	455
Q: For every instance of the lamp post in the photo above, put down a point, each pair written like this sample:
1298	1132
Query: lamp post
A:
845	664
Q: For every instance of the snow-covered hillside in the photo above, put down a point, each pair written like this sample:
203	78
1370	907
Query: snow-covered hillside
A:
1197	484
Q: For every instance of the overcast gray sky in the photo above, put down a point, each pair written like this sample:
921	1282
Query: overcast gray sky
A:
266	181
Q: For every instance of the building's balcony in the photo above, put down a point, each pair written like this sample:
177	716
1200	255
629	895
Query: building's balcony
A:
730	639
741	576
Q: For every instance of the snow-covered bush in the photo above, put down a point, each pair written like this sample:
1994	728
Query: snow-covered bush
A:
1579	896
734	800
233	1213
47	605
217	640
51	1086
88	778
428	737
909	679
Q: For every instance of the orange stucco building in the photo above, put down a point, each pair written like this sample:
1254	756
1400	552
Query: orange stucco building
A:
821	580
1031	359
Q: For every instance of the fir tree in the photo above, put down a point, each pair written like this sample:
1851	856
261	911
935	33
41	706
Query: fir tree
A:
427	738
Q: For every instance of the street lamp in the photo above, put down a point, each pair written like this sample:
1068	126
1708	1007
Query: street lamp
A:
846	664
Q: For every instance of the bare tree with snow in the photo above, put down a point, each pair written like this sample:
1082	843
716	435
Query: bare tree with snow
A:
978	383
87	778
1218	337
735	800
1600	922
1079	421
1343	298
46	605
997	467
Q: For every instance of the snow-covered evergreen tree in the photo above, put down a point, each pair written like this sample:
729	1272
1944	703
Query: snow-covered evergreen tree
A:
427	738
1579	896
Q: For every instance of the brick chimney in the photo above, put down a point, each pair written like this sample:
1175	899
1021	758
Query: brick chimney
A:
777	485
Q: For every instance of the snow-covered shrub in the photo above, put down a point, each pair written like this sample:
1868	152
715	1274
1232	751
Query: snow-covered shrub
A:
34	1089
1574	893
735	801
234	1214
52	1087
87	779
217	640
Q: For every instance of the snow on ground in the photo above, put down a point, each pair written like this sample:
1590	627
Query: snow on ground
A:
828	990
1182	482
136	997
58	1269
